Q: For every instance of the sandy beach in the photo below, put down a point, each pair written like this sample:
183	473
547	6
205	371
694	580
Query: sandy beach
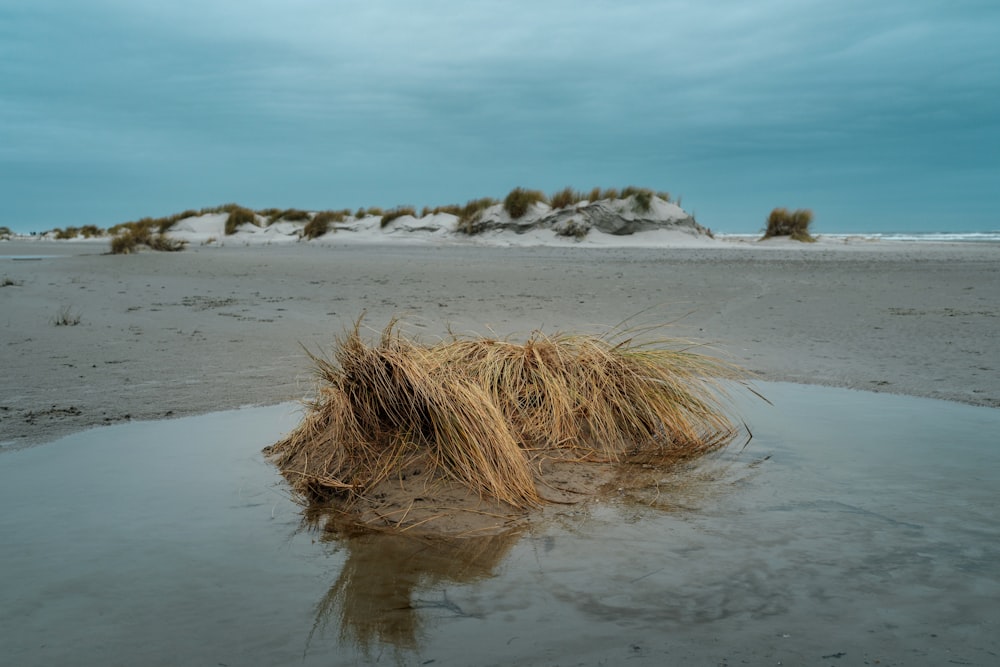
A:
855	529
169	334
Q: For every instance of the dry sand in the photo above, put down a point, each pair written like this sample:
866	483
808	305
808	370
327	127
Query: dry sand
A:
212	328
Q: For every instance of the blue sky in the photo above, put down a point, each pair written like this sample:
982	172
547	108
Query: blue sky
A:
880	116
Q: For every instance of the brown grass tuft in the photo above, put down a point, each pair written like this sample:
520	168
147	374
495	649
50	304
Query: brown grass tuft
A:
485	412
519	200
565	198
239	216
320	223
794	224
397	212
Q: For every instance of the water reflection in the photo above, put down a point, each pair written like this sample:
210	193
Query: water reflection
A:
391	586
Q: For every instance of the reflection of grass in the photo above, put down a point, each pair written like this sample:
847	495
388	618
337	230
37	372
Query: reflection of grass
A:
484	412
373	598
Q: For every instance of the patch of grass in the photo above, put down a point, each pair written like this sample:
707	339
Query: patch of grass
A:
610	194
66	317
321	222
397	212
65	234
91	231
519	200
130	236
642	198
470	216
794	224
565	198
292	215
488	413
162	243
665	196
573	229
239	216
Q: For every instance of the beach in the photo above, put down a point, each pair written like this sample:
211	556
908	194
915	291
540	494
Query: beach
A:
855	528
164	335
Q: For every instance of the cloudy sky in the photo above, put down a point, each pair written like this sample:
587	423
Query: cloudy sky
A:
880	116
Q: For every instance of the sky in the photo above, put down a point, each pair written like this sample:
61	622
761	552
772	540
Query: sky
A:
878	116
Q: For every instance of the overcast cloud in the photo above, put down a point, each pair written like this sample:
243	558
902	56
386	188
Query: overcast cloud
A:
879	116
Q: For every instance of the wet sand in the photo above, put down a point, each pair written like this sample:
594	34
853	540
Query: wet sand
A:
856	529
165	335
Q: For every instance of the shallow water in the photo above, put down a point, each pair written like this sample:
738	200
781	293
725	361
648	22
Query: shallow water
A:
855	527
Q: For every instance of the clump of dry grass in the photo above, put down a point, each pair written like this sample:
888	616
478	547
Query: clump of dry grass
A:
239	216
320	223
518	201
470	216
486	412
397	212
795	224
129	236
565	198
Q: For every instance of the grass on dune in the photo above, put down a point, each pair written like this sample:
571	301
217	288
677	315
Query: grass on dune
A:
794	224
486	412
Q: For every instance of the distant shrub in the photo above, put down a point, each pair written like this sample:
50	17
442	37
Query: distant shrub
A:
90	231
610	194
565	198
64	234
519	200
397	212
239	216
375	210
361	213
5	233
320	223
794	224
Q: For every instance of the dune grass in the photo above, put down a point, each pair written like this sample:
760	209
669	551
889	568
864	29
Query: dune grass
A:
470	216
486	412
397	212
237	217
320	223
794	224
519	200
565	198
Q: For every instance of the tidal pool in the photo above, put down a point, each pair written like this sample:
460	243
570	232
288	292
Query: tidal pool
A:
855	528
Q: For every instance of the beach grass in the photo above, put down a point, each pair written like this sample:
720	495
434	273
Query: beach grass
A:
320	223
239	216
486	412
397	212
519	200
565	198
794	224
